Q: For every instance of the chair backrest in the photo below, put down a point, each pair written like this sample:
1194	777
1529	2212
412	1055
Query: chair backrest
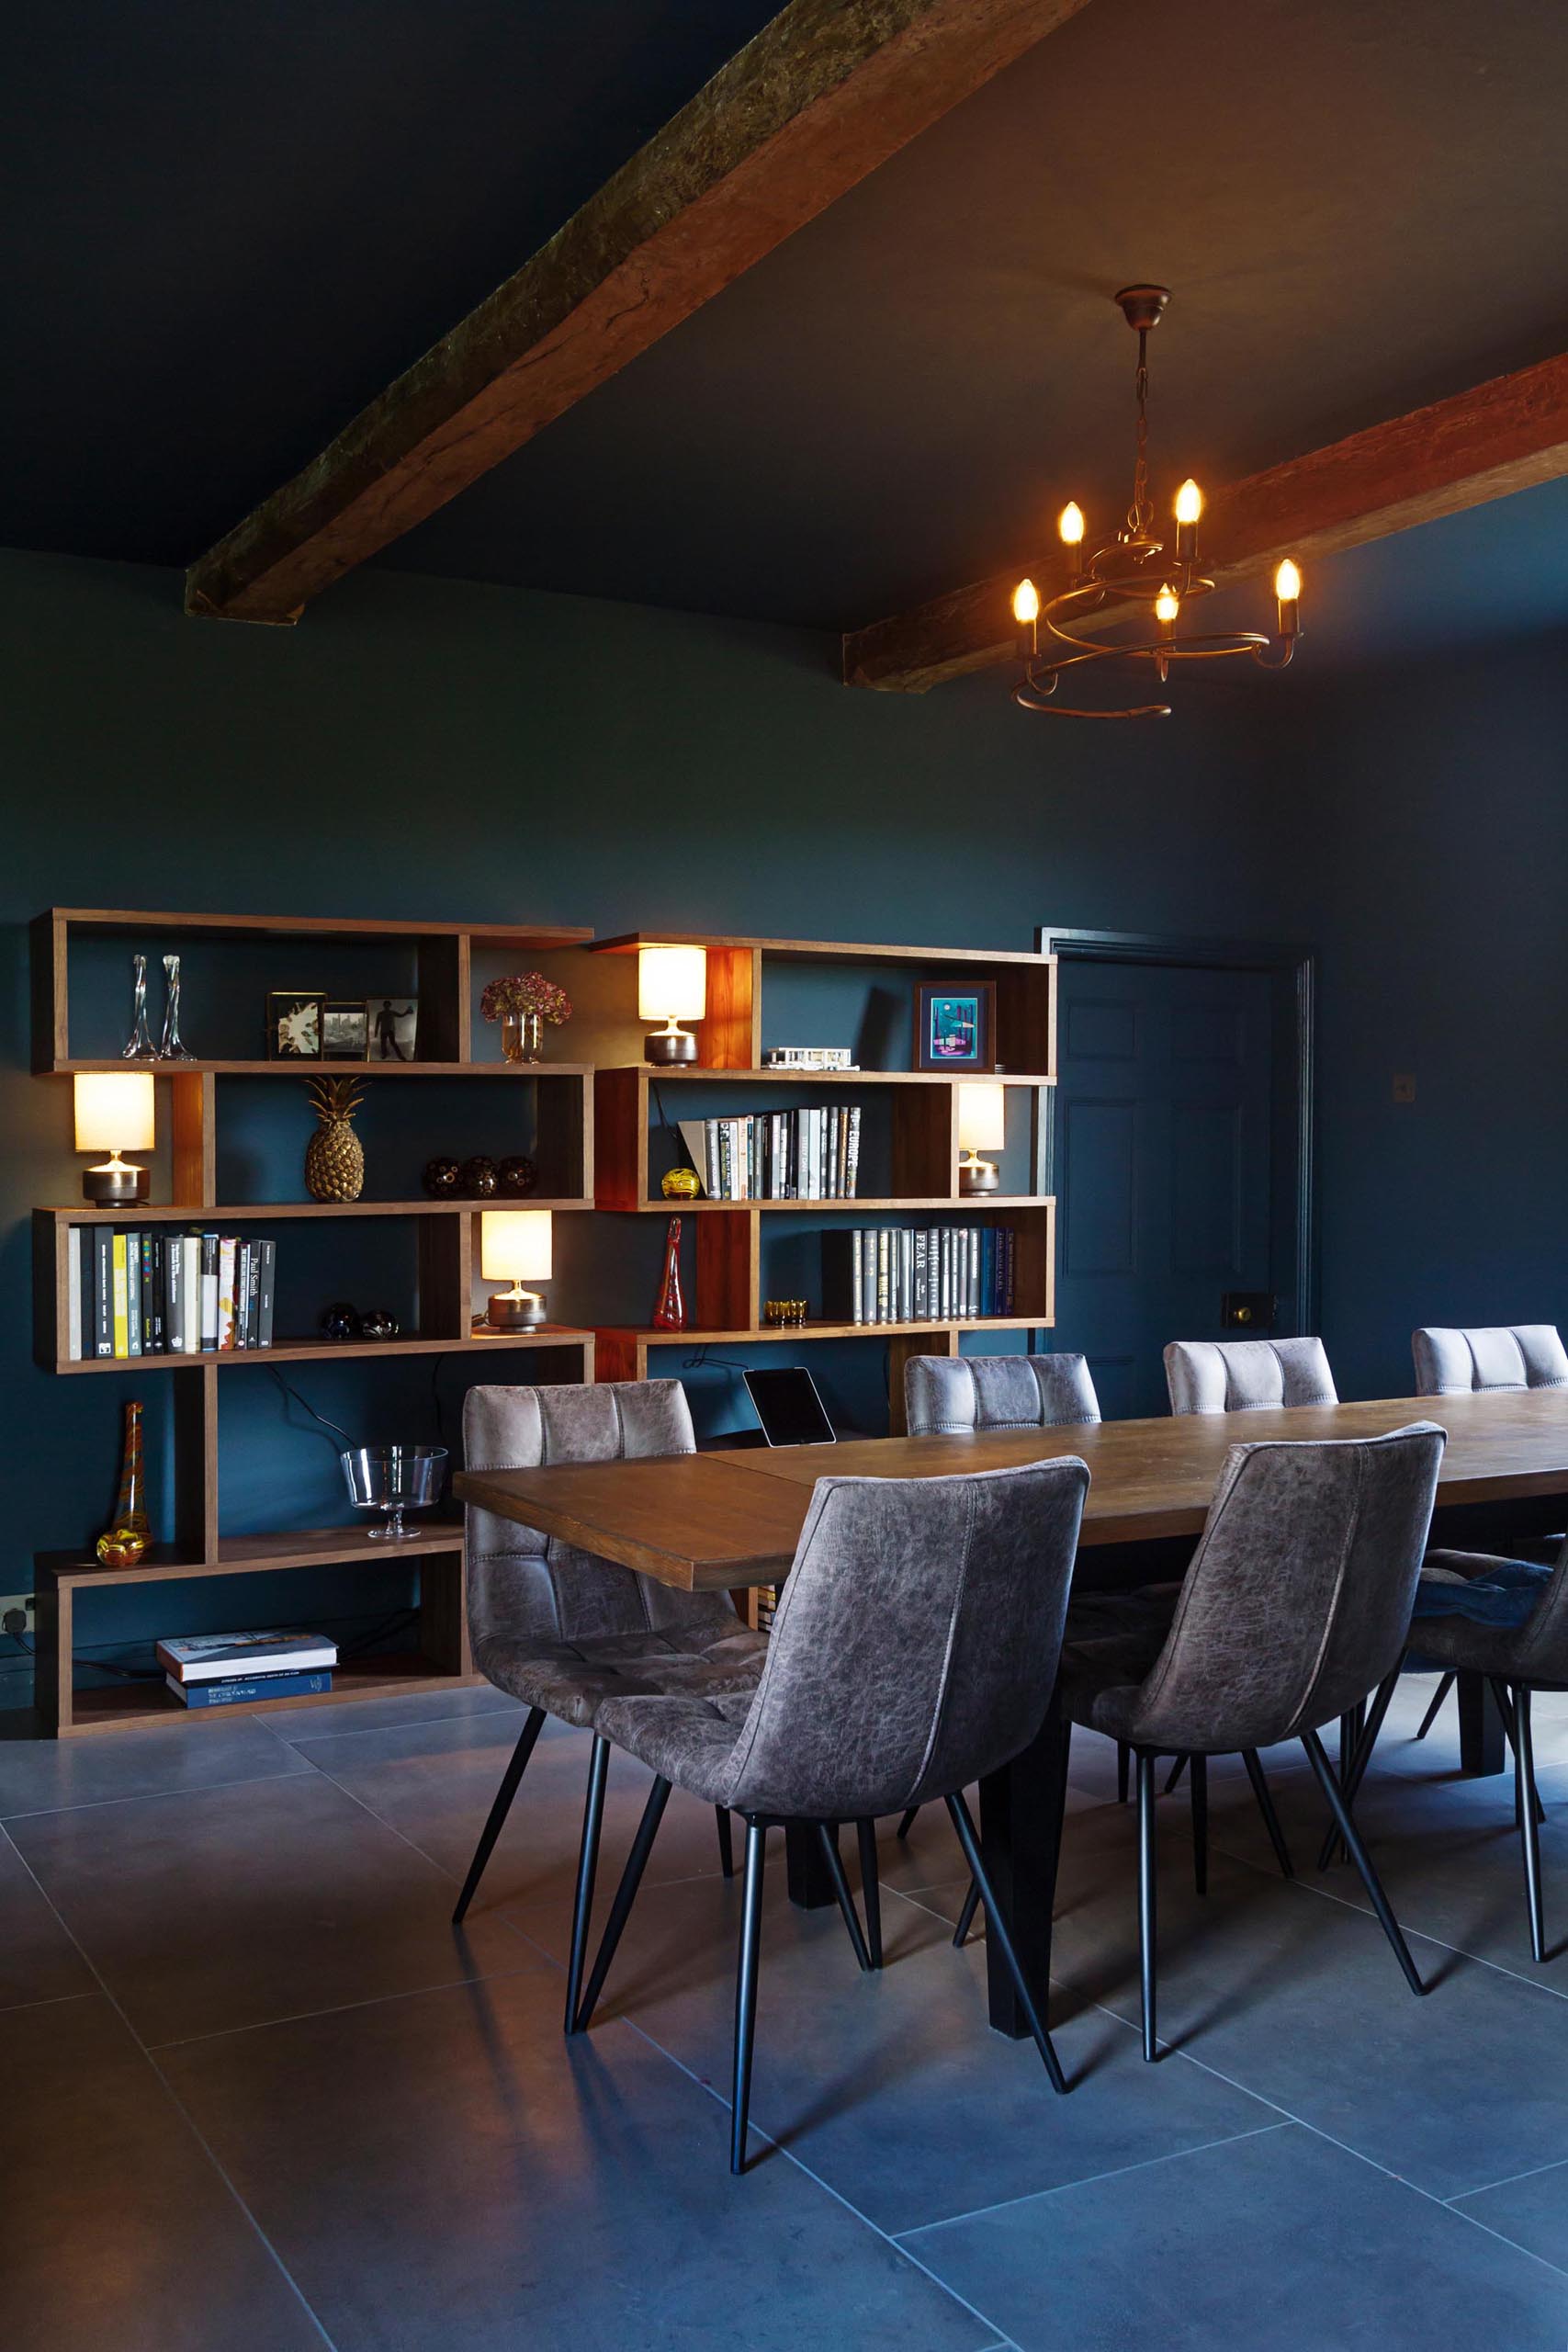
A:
1508	1355
1297	1600
916	1640
523	1586
1230	1375
944	1394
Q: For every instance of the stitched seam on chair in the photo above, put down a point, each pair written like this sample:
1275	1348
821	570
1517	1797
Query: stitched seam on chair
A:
736	1762
1352	1525
938	1712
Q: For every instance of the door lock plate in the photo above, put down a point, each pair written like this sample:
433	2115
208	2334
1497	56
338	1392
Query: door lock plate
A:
1248	1311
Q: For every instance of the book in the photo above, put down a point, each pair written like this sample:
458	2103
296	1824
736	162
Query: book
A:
190	1259
121	1294
132	1291
267	1270
226	1249
208	1293
74	1294
242	1280
103	1290
246	1692
174	1296
214	1657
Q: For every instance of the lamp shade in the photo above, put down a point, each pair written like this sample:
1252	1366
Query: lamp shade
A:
982	1118
672	983
113	1111
514	1244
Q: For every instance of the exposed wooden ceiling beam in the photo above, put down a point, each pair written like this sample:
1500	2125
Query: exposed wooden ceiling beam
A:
823	94
1503	436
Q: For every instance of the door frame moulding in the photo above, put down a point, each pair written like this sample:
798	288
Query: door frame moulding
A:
1296	967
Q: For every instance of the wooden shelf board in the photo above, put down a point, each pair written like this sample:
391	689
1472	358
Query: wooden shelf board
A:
254	1212
941	1201
799	1331
135	1706
683	1070
249	1555
822	951
303	1067
543	1335
322	928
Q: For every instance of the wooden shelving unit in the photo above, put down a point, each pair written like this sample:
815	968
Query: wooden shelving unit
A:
921	1153
446	1240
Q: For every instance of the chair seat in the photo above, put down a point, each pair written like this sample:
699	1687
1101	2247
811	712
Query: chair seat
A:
1113	1641
1473	1611
575	1680
687	1738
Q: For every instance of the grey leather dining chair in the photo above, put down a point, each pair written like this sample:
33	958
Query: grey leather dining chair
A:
1516	1660
563	1630
1295	1608
1239	1375
887	1683
1479	1359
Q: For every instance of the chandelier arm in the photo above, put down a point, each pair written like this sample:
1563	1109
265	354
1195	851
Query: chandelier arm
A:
1064	710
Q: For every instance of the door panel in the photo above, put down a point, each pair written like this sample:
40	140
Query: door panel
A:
1162	1163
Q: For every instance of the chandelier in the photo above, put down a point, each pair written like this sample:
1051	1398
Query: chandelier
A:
1135	569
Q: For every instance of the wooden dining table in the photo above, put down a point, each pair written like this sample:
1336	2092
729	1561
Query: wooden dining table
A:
724	1521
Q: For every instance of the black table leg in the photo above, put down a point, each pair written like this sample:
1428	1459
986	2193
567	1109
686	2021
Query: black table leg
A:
811	1888
1481	1742
1020	1837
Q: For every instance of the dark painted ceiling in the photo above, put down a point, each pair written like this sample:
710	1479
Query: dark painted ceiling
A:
237	223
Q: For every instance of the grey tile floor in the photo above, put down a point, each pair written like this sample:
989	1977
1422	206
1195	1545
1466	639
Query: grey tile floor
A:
256	2092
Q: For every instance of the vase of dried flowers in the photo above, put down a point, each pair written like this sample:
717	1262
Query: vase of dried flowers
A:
523	1003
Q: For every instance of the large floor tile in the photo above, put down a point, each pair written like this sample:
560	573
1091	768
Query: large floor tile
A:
893	2087
448	2174
1533	2211
120	2234
36	1775
1296	1995
436	1782
297	1724
38	1959
1278	2242
228	1906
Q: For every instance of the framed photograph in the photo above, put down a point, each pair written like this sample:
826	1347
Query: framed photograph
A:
392	1022
954	1027
296	1024
345	1030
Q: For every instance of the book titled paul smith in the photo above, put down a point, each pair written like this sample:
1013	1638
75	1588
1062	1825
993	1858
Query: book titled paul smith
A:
229	1658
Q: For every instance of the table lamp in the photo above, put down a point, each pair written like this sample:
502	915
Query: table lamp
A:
514	1247
114	1113
672	987
982	1126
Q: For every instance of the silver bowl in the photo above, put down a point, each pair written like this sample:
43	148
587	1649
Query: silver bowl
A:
393	1478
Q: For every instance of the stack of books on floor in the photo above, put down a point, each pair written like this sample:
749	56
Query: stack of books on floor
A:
777	1155
166	1294
950	1273
236	1670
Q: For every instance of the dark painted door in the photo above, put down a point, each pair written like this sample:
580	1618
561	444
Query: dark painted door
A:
1162	1163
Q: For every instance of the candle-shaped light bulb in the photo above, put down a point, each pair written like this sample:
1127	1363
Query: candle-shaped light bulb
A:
1189	506
1288	589
1168	603
1069	523
1025	602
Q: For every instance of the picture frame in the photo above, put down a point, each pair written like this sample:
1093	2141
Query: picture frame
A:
345	1030
296	1024
955	1026
392	1028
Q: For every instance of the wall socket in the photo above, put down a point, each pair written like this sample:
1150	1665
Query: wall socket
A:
26	1603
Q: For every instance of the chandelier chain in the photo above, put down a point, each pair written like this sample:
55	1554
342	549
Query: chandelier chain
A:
1141	514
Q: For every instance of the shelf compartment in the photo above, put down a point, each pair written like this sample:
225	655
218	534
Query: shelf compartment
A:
142	1706
543	1335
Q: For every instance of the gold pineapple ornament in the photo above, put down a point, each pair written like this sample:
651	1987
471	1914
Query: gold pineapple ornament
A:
334	1156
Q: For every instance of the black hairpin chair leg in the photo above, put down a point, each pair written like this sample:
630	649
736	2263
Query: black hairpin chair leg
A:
726	1842
958	1814
1146	1900
587	1869
966	1916
1445	1685
870	1889
1355	1773
1254	1773
746	1991
907	1822
1505	1703
1529	1816
1124	1769
1359	1855
499	1809
827	1838
625	1895
1178	1766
